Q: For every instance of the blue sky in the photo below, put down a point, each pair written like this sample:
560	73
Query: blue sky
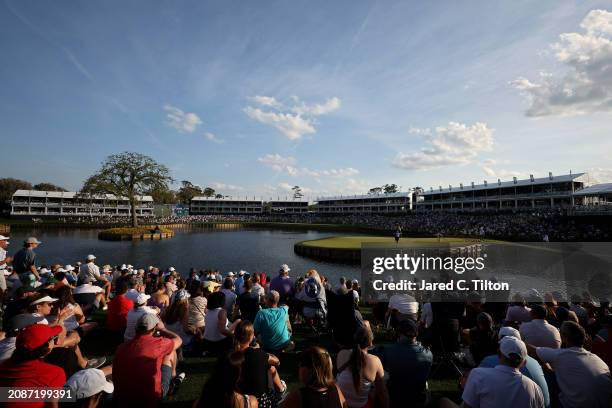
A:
334	96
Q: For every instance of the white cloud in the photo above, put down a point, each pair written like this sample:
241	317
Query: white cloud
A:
586	87
181	121
318	109
226	187
213	138
288	165
293	122
279	163
600	175
455	143
489	167
266	101
290	125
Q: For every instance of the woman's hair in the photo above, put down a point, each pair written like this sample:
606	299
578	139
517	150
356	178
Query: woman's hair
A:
196	290
177	311
216	300
319	365
219	389
181	284
161	286
64	297
362	340
243	333
248	285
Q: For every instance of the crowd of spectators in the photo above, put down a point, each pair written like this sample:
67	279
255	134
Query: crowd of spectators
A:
545	353
524	225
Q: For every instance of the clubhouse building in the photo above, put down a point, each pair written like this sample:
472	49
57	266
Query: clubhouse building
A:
392	203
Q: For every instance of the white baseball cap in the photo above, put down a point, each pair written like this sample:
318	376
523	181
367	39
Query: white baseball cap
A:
230	274
241	273
141	299
68	268
511	345
509	331
45	299
44	270
285	268
91	257
171	269
89	382
3	238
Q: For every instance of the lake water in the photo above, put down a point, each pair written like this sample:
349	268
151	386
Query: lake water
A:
253	250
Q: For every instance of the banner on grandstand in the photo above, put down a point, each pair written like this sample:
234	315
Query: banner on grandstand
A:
494	272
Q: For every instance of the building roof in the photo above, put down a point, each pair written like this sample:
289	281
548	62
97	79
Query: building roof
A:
495	185
245	199
71	194
364	196
597	189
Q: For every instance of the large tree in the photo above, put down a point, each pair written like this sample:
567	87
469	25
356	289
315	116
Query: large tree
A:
8	186
187	191
128	175
48	187
209	192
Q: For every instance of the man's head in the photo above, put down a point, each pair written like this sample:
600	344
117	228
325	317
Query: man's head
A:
141	300
245	333
284	270
512	351
147	324
36	341
88	385
4	242
272	298
538	312
31	242
484	321
41	304
342	280
407	329
509	331
91	258
228	283
572	334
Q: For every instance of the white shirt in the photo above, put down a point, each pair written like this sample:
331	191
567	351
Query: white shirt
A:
518	314
211	328
87	288
584	379
501	387
90	270
2	267
540	333
132	320
404	304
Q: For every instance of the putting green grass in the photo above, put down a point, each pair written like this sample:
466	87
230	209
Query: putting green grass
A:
354	242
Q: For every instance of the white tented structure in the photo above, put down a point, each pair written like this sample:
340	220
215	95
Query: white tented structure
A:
66	204
545	192
202	205
392	203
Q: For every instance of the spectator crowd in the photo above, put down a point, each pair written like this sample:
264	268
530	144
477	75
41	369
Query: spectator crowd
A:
547	352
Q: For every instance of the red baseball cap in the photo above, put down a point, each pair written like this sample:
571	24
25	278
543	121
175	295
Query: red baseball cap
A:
35	336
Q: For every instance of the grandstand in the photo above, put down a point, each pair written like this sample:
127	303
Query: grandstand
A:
286	207
27	203
392	203
546	192
202	205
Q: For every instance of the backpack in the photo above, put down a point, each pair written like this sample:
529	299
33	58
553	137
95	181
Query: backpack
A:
312	288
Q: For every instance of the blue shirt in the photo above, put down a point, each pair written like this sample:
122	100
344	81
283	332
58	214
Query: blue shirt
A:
531	369
271	325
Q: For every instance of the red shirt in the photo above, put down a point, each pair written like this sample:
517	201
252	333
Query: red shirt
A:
34	373
116	316
137	370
